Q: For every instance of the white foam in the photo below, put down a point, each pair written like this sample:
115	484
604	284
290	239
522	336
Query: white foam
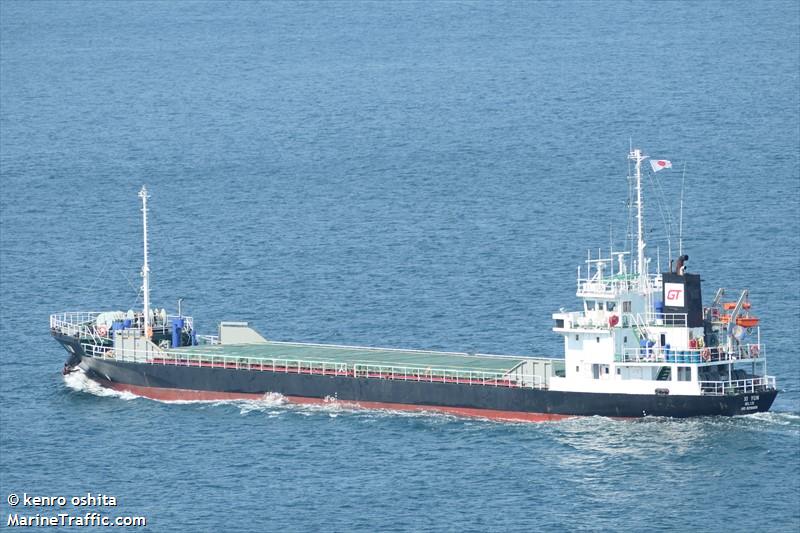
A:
265	404
777	417
80	382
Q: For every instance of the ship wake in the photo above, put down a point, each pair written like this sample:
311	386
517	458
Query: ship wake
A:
80	382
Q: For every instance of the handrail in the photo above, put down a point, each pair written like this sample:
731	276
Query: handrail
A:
595	284
608	286
641	321
690	355
208	339
154	355
735	386
82	323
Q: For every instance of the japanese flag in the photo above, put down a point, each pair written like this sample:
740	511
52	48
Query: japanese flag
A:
659	164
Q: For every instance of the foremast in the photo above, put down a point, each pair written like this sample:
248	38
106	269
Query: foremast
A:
148	330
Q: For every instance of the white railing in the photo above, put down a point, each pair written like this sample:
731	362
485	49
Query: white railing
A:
657	354
446	374
207	339
156	356
188	322
605	286
98	351
84	323
737	385
600	320
73	323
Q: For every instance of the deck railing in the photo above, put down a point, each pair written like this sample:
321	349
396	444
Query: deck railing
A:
76	323
156	356
656	354
84	324
606	286
207	339
737	386
600	320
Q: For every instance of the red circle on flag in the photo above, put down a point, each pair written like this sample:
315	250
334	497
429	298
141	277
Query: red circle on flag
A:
661	163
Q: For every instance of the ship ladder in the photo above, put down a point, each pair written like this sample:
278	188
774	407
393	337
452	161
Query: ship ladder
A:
639	329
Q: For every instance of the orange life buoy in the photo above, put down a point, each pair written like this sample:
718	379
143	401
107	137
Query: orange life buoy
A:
613	320
706	354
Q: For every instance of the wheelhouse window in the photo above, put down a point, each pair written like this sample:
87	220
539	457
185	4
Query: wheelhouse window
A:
684	373
611	306
626	307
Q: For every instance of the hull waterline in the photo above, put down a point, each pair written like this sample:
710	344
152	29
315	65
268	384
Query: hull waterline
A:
170	383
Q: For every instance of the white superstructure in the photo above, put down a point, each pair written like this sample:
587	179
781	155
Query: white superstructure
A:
643	333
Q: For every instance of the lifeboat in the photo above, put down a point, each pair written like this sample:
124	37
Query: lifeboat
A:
747	321
744	321
730	306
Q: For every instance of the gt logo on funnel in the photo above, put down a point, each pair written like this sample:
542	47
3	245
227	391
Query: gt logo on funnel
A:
673	294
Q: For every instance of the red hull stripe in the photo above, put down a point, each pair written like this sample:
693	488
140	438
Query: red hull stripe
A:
166	394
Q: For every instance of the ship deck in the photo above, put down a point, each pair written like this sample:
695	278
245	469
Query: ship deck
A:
351	355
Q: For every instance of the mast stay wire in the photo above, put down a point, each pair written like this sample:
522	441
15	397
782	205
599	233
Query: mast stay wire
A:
108	259
666	215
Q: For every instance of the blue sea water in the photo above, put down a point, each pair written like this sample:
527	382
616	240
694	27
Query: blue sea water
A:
407	174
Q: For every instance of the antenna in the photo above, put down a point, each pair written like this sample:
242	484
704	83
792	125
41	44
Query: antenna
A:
658	259
611	245
145	267
680	227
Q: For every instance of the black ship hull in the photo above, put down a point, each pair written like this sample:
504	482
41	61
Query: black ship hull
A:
169	382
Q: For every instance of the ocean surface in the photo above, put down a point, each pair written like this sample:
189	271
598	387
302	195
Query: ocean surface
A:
403	174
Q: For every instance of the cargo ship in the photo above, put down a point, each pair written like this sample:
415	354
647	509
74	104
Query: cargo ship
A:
641	344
